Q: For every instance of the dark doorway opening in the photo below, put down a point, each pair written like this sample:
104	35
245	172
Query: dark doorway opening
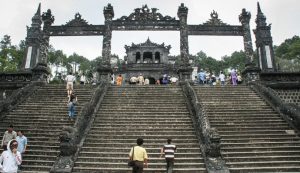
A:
147	56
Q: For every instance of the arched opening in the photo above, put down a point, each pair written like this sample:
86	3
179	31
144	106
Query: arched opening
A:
138	57
147	56
157	57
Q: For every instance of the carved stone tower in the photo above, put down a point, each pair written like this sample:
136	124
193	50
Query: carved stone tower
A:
185	70
33	41
264	43
105	69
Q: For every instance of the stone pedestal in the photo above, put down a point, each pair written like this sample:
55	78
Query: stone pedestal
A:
104	72
251	73
40	73
185	73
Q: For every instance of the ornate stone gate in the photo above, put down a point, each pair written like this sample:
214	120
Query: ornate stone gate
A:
144	18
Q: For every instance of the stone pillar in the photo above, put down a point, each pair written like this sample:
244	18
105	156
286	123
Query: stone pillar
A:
33	41
184	69
104	69
264	43
245	19
251	72
153	57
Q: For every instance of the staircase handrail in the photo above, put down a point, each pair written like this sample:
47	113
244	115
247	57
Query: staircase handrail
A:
72	138
288	111
18	97
210	138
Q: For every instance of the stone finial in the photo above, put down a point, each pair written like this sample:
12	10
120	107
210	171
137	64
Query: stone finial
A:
260	17
108	11
182	10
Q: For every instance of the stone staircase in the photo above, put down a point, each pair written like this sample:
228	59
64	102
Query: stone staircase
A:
154	113
42	118
254	137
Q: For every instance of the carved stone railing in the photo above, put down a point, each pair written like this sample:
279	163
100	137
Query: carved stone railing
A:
280	79
289	112
209	137
17	97
72	138
15	80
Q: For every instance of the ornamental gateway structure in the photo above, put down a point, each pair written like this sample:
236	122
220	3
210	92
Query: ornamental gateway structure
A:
252	127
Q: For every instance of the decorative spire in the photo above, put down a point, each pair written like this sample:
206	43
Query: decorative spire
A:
37	18
258	8
39	9
260	17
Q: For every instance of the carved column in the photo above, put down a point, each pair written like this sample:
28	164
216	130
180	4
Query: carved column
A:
184	69
33	41
104	69
41	70
245	19
264	43
251	72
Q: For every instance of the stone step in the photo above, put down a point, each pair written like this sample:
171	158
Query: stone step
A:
125	154
147	145
261	148
263	158
260	153
265	169
146	170
261	144
125	159
124	165
260	139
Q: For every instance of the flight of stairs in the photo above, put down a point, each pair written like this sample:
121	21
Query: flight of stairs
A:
154	113
254	137
42	118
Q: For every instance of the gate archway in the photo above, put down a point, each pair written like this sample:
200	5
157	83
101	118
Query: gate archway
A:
37	40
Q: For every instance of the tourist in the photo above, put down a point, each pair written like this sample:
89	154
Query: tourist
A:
141	79
165	80
146	82
4	95
139	156
239	79
222	78
169	151
173	80
22	142
133	80
11	158
8	135
70	79
82	79
201	77
72	102
157	82
119	80
233	77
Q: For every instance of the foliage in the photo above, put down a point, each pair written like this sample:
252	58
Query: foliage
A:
236	60
289	49
10	56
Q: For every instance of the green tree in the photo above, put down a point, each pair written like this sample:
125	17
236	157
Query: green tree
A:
289	49
10	56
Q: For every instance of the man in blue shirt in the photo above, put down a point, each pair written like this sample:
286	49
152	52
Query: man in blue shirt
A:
22	142
201	77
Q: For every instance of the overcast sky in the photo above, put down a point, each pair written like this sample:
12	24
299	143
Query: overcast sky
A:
284	15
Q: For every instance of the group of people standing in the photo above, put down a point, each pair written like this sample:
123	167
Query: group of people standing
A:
140	157
204	77
14	145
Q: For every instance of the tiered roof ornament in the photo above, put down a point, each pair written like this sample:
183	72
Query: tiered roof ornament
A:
148	43
77	21
144	13
215	21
